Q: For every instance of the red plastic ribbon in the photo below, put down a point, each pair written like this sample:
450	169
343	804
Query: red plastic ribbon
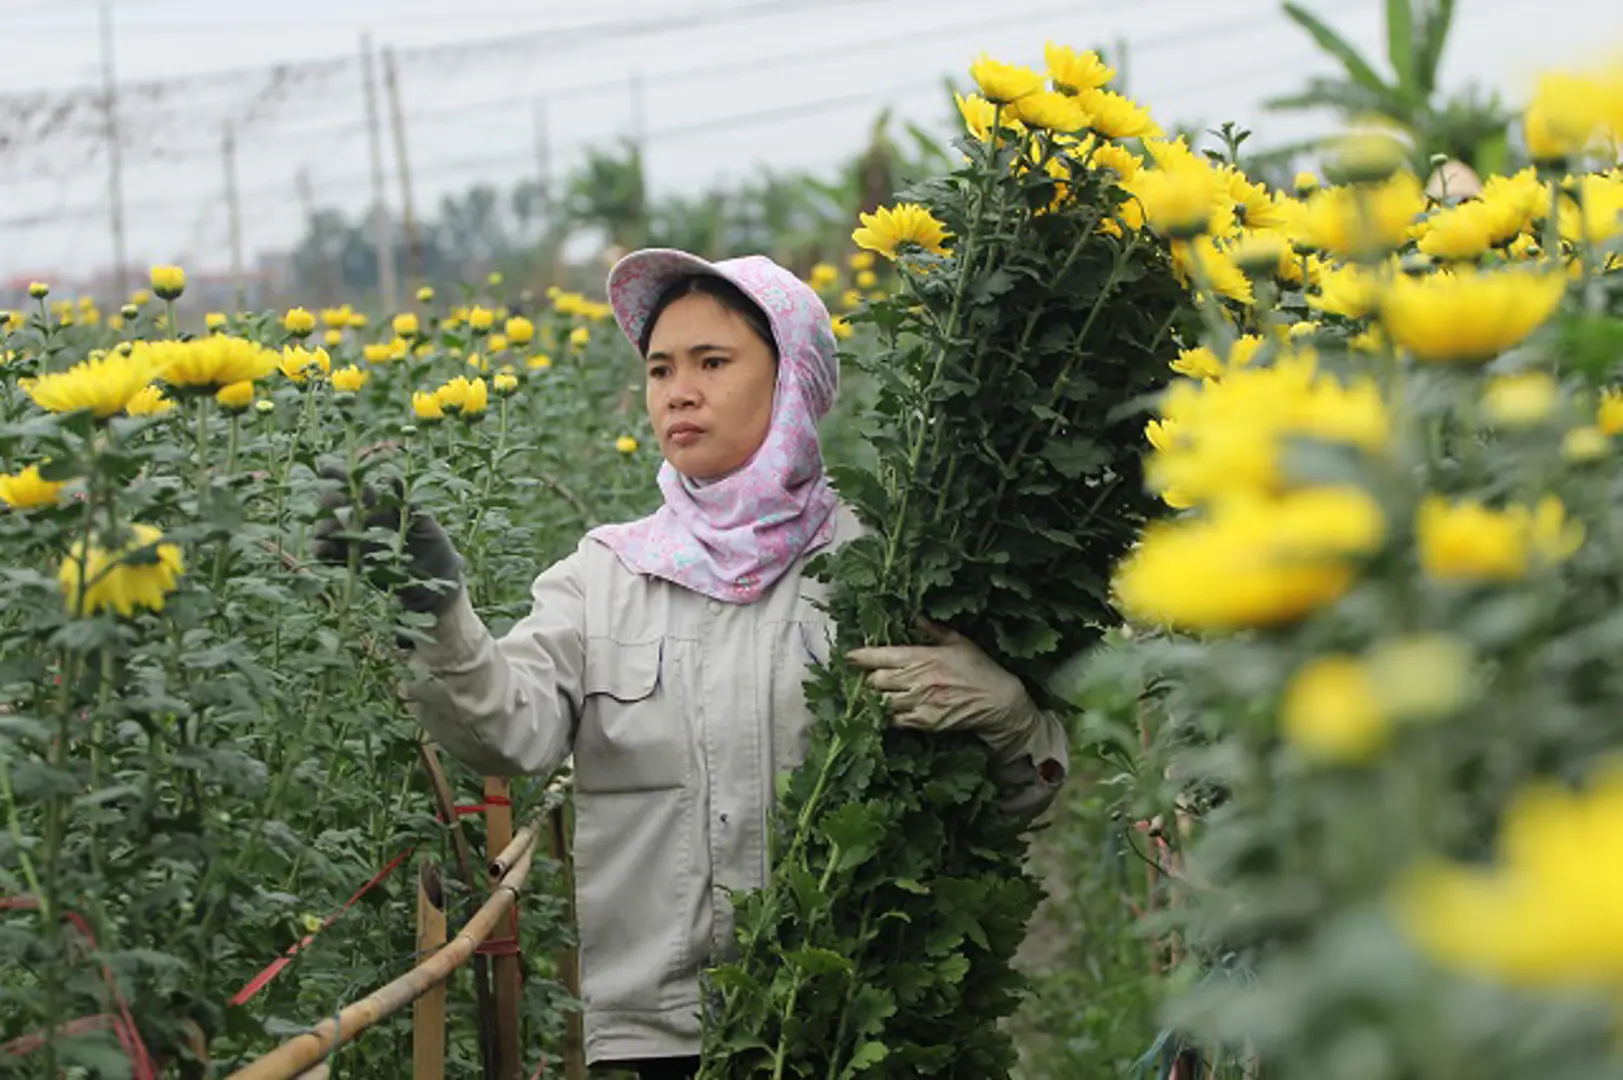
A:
506	946
274	968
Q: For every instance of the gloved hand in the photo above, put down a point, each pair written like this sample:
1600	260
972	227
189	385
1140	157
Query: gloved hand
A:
952	685
429	554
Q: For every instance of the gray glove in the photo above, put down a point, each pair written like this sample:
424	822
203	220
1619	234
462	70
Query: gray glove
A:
432	564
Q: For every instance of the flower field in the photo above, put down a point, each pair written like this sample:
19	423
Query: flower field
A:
1357	682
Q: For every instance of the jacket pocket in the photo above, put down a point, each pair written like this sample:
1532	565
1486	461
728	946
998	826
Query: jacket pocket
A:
633	734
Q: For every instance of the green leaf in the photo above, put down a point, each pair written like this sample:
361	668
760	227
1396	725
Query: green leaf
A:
1358	69
1433	38
867	1056
815	962
1400	48
854	831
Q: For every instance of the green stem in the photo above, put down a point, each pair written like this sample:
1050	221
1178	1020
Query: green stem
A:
224	550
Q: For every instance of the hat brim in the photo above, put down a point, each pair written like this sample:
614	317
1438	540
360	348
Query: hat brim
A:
639	279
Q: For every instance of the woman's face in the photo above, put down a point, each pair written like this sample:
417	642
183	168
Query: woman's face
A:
710	384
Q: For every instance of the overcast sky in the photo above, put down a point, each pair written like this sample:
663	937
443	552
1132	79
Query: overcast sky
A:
727	86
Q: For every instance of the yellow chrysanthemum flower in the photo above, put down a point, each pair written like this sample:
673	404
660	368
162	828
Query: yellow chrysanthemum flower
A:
1332	711
377	352
1595	216
1117	159
1221	271
504	384
1586	443
207	363
842	327
822	276
1072	72
235	397
1250	562
1002	83
348	379
481	319
1349	291
336	318
1118	117
1534	918
299	322
1202	363
579	337
1178	202
426	406
148	402
1609	414
168	281
1466	541
519	330
463	397
300	364
978	114
405	325
139	574
892	230
1362	221
104	385
539	361
27	490
1049	110
1468	317
625	444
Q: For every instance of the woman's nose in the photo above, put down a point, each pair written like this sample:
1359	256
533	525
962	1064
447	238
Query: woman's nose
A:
682	391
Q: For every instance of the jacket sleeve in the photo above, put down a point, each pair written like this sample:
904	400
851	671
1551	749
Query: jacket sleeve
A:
510	706
1035	772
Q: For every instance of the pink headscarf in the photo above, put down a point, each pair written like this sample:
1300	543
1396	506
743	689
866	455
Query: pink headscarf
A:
732	538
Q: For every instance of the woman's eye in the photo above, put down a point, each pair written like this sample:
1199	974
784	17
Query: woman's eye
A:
711	363
658	371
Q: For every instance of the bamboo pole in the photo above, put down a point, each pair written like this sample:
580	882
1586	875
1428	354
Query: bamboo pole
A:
498	837
304	1051
464	865
569	958
428	1011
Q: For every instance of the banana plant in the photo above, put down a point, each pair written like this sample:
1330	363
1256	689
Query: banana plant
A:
1469	126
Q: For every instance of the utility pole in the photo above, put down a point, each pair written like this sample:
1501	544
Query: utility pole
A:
397	122
233	208
382	235
543	162
115	155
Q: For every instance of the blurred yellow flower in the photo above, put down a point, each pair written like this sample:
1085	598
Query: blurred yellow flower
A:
425	295
1118	117
1593	213
38	290
348	379
168	281
850	298
138	574
1587	443
481	319
497	343
299	364
1359	222
539	360
149	401
519	330
333	338
579	336
892	230
823	275
299	322
1349	291
860	260
1250	562
1178	202
215	321
1117	159
405	325
377	353
867	279
104	385
1421	676
1332	711
1465	541
504	384
1202	363
1224	275
1002	83
625	444
141	298
1521	399
426	406
336	318
1260	251
1536	917
357	320
1073	72
1468	316
842	327
478	362
235	397
1609	414
27	490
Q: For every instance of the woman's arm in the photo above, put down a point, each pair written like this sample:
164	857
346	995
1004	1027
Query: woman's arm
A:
509	706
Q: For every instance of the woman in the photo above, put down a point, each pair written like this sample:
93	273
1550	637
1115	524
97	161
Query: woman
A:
667	654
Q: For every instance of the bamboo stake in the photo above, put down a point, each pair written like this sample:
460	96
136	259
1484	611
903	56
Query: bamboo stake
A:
428	1011
464	864
569	958
498	837
304	1051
